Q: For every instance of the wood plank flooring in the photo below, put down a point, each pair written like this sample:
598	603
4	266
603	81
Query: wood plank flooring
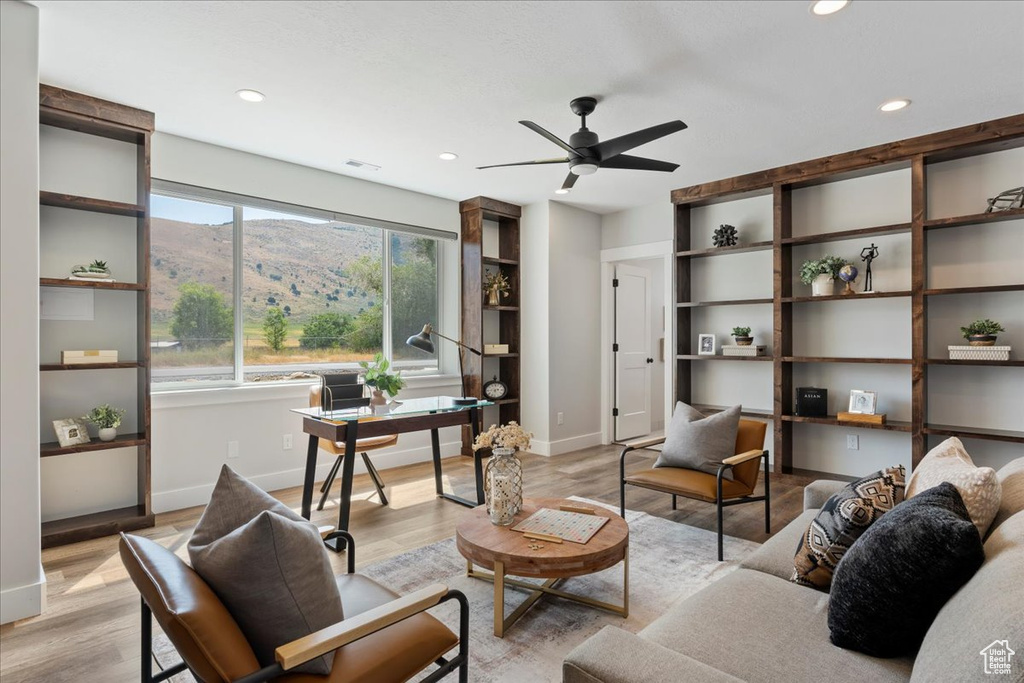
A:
90	628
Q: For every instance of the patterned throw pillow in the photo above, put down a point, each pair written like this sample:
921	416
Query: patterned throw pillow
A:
841	521
978	486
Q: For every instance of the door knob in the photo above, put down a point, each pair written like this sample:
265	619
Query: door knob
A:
650	360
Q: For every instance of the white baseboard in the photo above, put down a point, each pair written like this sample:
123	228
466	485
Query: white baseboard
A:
24	601
166	501
573	443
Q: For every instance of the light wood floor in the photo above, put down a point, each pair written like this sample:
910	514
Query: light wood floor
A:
90	629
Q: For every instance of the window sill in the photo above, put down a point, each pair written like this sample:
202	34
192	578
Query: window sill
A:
280	391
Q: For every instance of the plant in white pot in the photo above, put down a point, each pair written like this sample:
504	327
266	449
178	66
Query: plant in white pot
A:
380	380
107	419
821	273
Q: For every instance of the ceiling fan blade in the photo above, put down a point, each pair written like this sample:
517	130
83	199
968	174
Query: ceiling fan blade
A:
550	136
570	180
638	163
624	143
529	163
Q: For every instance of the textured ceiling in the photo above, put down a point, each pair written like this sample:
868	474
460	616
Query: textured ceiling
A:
395	83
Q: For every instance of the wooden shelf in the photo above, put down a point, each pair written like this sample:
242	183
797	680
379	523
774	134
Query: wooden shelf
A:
745	412
62	282
847	234
495	261
832	359
501	355
890	426
730	302
500	308
843	297
53	448
690	356
722	251
1008	435
993	363
505	401
71	201
47	367
974	219
974	290
96	525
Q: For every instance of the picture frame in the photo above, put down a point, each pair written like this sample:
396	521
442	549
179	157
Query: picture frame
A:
706	345
863	402
71	431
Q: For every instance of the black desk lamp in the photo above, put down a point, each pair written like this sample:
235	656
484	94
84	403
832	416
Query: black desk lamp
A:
423	342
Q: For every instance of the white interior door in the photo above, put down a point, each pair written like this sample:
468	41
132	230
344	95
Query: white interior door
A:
633	357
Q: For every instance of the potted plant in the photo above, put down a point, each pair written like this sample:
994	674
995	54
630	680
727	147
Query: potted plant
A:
742	336
381	381
503	478
495	285
821	273
981	332
107	419
97	270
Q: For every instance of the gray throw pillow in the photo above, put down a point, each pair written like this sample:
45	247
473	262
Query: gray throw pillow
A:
696	442
268	566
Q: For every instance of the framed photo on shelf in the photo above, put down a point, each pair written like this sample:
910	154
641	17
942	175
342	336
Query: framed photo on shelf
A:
71	431
706	345
863	402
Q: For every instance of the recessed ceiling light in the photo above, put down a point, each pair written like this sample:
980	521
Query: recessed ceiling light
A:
825	7
251	95
448	156
562	190
895	105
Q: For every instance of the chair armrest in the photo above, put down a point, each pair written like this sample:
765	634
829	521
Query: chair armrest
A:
301	650
645	443
817	492
743	457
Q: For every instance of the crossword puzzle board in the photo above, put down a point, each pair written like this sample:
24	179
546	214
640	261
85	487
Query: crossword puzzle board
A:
569	526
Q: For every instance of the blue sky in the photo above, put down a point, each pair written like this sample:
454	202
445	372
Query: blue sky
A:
202	213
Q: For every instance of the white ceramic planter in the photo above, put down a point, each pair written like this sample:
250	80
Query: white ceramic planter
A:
823	285
108	433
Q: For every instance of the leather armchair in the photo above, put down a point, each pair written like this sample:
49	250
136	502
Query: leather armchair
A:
383	638
711	488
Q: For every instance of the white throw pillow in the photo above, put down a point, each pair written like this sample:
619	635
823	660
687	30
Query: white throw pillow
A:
698	442
978	486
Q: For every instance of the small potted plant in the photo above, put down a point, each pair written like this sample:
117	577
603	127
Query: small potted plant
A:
97	270
381	381
742	336
981	332
107	419
821	273
495	285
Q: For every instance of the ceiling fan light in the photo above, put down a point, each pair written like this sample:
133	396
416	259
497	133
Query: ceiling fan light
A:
584	169
562	190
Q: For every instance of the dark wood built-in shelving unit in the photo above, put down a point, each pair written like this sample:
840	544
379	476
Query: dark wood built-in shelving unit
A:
92	116
507	216
915	154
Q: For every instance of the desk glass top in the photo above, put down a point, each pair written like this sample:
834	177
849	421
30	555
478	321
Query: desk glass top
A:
406	408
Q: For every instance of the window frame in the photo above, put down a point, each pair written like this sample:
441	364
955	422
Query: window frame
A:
238	203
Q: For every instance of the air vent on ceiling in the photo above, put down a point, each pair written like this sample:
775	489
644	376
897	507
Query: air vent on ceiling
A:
362	164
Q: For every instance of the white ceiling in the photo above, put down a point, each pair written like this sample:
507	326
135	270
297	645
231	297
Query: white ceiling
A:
395	83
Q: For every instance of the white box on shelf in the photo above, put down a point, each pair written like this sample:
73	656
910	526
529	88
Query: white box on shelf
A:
736	350
494	349
995	353
88	357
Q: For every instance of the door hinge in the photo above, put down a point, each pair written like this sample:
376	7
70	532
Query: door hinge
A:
615	348
615	412
615	282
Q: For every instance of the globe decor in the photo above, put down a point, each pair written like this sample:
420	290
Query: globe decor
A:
503	478
848	274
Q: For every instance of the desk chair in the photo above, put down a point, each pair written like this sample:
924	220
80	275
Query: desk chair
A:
363	446
710	488
383	638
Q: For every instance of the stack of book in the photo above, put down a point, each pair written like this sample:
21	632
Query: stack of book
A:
979	352
736	350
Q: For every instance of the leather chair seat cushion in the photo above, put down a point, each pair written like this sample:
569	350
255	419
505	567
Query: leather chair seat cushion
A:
393	654
371	442
689	483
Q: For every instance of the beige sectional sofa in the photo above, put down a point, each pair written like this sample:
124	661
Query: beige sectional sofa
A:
755	625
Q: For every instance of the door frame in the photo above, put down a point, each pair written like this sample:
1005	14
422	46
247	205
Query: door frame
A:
609	257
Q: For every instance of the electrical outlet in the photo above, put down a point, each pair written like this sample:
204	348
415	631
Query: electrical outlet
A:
232	449
852	442
286	442
561	418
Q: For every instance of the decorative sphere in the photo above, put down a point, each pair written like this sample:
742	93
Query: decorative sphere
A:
848	273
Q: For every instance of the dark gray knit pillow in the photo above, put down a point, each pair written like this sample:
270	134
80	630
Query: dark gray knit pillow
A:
893	581
700	443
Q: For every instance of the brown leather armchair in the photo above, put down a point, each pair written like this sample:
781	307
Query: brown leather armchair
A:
383	638
708	487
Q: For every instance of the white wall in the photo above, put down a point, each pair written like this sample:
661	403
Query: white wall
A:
22	583
534	283
640	225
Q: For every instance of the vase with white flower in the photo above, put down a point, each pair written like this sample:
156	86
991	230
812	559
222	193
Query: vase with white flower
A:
503	478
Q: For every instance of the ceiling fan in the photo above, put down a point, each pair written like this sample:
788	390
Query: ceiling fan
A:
587	153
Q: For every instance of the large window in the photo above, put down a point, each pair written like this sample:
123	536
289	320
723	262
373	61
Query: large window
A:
247	290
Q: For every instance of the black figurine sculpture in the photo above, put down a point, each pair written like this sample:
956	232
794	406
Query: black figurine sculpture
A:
725	236
868	254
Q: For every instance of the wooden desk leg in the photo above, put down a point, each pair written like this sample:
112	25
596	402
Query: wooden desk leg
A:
347	472
499	599
308	481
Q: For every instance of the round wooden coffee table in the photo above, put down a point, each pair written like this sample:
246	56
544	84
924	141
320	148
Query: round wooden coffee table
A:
508	553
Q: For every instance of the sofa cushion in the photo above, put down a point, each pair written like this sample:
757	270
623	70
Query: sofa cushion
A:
841	521
268	566
893	581
696	442
761	628
978	486
990	607
775	557
1011	484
